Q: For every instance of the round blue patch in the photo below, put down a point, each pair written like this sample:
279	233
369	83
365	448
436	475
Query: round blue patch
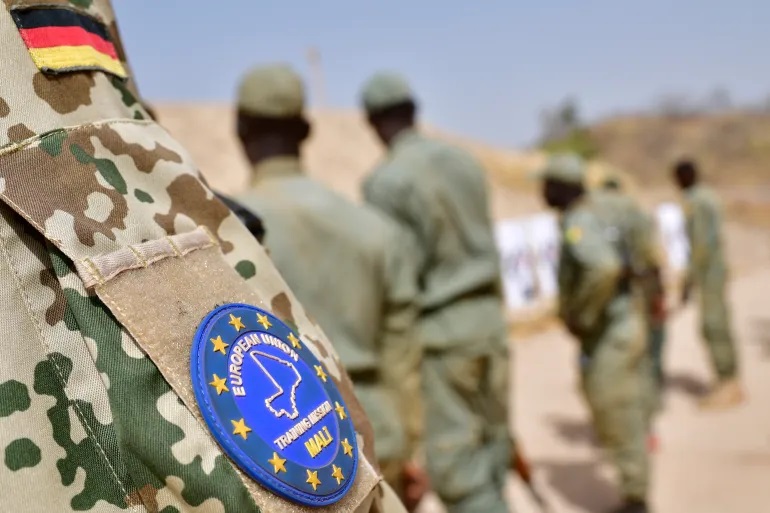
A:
272	406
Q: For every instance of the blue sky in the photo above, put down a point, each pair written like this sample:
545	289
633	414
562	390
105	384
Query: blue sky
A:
482	69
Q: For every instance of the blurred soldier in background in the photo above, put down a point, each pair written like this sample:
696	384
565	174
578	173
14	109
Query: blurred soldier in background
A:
112	251
348	264
438	193
643	254
597	306
707	271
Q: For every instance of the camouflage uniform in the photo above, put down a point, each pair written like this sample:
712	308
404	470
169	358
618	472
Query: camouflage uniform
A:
438	193
601	311
708	272
351	268
111	251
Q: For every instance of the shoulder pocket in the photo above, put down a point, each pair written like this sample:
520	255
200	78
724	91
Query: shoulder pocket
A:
160	291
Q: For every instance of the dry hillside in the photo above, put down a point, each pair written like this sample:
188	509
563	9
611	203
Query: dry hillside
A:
342	150
733	150
340	153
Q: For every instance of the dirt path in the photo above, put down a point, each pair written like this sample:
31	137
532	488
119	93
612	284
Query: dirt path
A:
708	463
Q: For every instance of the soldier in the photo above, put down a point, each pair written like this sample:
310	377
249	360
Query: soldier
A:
707	271
438	193
347	263
643	251
597	306
141	329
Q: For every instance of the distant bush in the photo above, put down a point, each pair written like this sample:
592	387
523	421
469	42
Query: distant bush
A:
563	131
579	141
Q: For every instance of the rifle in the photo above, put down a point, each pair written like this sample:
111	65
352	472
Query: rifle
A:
524	470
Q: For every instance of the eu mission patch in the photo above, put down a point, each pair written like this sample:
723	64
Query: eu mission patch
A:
272	406
62	40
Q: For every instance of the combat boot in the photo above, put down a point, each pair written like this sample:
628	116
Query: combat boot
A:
726	394
632	506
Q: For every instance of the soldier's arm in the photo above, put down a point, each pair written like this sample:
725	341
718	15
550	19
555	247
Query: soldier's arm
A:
404	205
598	270
401	350
647	240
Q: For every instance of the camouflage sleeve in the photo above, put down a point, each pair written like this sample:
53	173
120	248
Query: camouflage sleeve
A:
401	350
597	268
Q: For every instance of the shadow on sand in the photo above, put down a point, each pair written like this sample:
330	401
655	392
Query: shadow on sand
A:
579	483
574	431
687	384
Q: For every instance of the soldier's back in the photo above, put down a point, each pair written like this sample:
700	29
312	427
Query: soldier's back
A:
703	214
333	254
439	192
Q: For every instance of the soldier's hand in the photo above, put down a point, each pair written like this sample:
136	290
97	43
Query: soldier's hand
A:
416	485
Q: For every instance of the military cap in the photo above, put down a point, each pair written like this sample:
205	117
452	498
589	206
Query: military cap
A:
563	167
273	91
385	89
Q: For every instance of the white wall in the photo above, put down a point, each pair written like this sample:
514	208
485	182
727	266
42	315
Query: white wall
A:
529	250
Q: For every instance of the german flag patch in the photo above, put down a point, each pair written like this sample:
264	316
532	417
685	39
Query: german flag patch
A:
62	40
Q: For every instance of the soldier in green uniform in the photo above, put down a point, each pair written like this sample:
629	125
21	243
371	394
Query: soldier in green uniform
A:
644	255
112	251
438	193
707	271
598	307
349	265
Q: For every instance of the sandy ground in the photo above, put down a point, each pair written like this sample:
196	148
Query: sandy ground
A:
707	463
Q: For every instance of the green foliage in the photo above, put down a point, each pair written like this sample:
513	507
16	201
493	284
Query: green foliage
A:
578	141
563	131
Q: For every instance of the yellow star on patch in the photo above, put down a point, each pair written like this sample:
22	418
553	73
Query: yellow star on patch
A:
236	323
312	479
219	344
240	428
340	410
319	370
278	463
347	448
219	384
574	234
294	341
337	474
263	320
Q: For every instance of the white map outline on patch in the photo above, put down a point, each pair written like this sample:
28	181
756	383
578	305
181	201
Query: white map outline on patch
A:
280	391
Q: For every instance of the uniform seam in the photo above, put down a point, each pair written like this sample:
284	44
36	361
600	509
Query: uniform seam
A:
31	221
174	247
93	270
138	256
59	372
12	148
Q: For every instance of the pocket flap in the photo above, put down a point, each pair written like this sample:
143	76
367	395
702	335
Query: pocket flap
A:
160	291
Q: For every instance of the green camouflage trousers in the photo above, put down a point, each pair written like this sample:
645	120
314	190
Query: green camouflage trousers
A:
656	339
468	443
716	329
617	383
